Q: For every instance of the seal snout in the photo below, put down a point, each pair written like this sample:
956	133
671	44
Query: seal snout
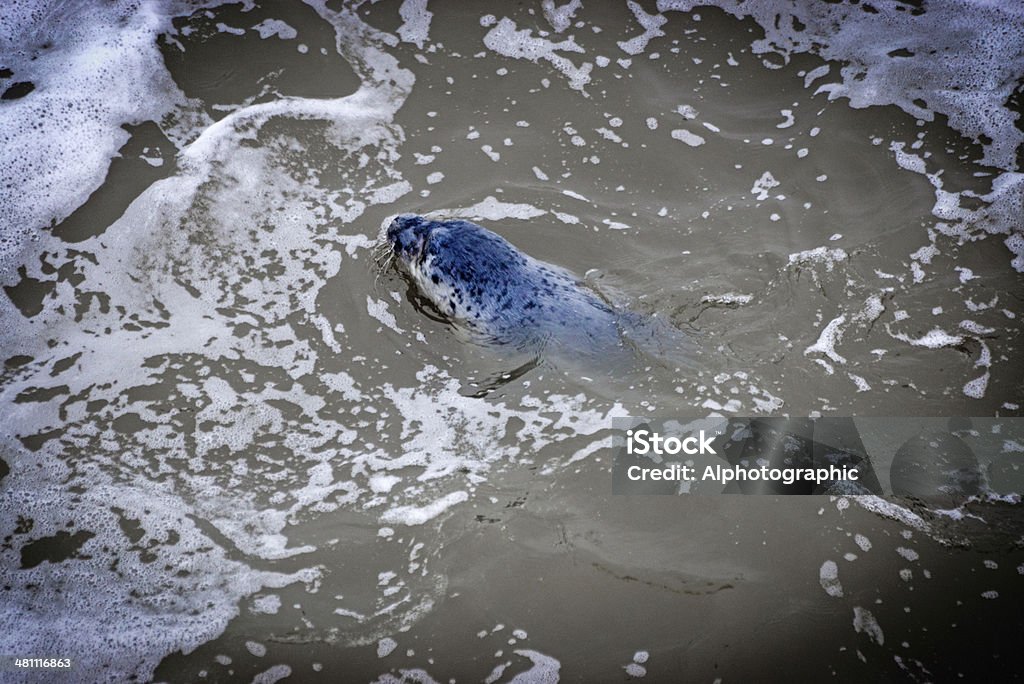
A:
406	235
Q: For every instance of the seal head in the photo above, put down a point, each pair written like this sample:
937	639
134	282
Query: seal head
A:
486	286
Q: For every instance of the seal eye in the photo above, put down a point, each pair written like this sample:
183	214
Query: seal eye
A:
435	279
407	244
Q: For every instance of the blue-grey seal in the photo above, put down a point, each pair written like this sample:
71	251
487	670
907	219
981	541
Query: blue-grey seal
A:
487	287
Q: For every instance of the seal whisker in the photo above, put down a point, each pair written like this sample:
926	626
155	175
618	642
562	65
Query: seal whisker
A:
382	267
381	251
383	256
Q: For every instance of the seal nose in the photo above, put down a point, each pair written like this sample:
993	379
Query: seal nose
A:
407	221
398	225
406	233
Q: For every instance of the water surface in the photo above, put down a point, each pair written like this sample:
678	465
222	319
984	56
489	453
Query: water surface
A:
251	453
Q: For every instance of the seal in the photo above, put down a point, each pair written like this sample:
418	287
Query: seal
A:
496	293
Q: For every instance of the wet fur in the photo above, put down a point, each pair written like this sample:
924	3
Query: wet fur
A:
495	292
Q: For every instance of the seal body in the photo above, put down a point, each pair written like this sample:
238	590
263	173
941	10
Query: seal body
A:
496	293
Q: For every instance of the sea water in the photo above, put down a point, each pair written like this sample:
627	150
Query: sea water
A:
234	448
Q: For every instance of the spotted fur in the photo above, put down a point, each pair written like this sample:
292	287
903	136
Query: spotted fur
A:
484	284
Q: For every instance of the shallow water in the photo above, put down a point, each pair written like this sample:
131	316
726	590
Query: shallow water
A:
253	452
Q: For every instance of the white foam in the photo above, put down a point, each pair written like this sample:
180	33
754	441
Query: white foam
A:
412	483
691	139
871	311
763	185
687	111
908	554
416	18
823	255
418	515
828	576
386	647
575	195
506	39
269	28
272	675
727	298
102	70
970	83
830	335
980	60
651	23
233	30
268	604
860	382
378	308
890	509
560	16
544	671
635	670
491	153
975	389
865	622
493	209
1015	243
193	608
254	220
936	338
